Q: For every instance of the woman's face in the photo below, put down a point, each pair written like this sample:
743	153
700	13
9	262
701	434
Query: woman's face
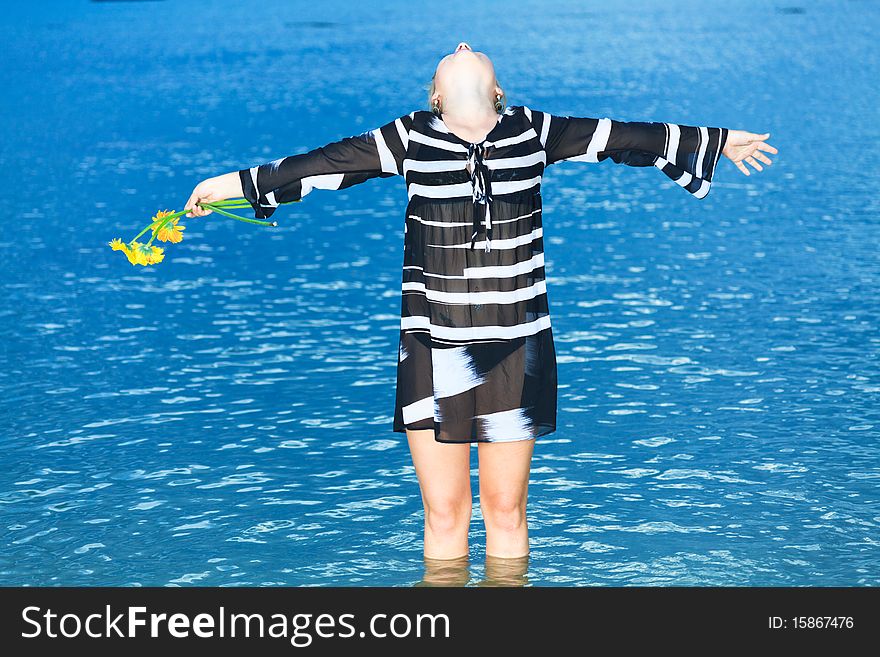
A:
465	72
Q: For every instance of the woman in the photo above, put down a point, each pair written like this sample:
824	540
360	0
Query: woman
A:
476	360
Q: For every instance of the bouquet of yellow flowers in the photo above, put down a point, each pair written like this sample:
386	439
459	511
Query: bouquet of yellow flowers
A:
165	227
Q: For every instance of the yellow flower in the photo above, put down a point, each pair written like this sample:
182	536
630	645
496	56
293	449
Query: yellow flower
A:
171	232
145	255
156	256
137	253
118	245
159	216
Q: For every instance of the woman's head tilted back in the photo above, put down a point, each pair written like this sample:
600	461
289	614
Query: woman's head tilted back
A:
465	78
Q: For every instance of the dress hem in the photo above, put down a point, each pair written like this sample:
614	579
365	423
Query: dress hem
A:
543	432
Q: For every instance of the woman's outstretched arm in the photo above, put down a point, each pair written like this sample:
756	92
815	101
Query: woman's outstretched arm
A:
686	154
377	153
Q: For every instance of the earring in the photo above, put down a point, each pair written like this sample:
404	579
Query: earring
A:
498	103
436	107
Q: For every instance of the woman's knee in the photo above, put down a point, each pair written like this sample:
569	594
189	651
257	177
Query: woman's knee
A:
504	509
448	514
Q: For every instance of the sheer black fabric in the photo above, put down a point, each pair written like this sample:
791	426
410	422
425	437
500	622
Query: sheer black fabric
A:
476	359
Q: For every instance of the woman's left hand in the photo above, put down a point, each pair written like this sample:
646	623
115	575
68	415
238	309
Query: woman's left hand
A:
747	146
217	188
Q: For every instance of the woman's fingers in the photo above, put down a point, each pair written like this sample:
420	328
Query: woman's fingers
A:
747	149
196	210
205	192
190	204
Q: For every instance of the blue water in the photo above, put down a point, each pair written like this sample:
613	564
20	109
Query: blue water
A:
224	418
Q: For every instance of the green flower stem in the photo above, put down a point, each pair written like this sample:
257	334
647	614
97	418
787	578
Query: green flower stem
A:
224	201
235	216
243	201
141	233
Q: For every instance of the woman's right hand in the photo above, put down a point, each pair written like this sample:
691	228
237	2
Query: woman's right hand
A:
217	188
742	145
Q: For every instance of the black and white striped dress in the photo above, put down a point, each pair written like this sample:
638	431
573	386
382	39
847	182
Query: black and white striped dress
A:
476	360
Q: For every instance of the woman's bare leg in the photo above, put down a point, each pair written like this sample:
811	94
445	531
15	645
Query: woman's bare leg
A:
504	482
443	471
446	572
505	572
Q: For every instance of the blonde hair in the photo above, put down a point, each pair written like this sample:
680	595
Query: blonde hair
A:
431	87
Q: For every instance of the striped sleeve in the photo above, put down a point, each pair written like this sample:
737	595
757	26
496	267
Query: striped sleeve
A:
377	153
686	154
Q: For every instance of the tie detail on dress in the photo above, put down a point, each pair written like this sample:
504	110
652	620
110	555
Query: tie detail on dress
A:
482	191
